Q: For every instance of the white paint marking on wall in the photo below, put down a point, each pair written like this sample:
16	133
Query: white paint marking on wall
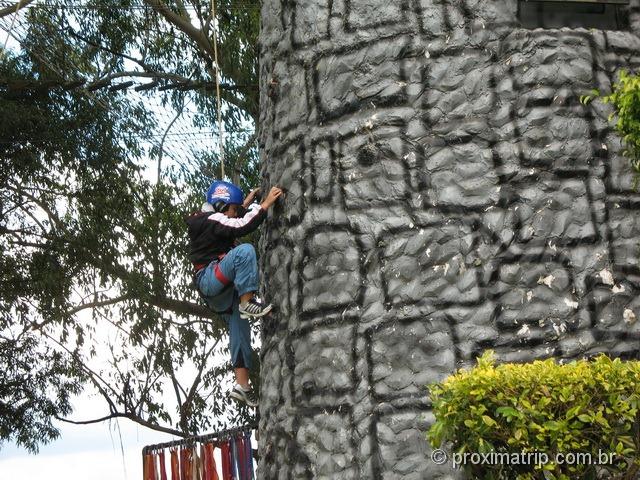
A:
570	303
524	331
628	316
559	328
618	289
606	276
548	280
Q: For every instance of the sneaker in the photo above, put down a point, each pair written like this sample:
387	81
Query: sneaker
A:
244	396
254	308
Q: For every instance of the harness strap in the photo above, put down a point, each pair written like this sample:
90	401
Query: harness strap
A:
220	276
199	266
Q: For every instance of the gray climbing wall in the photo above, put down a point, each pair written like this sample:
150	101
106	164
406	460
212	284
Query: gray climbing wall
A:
446	194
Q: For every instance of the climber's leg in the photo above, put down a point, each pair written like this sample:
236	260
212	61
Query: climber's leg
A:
240	266
242	376
241	352
239	339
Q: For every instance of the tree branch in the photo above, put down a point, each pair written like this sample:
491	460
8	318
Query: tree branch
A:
180	307
53	217
23	243
33	217
183	25
14	8
103	81
184	308
176	386
149	74
161	148
107	49
97	304
93	376
84	306
130	416
185	408
183	10
147	381
199	9
89	422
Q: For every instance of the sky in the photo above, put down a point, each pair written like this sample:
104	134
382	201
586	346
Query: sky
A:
97	451
104	451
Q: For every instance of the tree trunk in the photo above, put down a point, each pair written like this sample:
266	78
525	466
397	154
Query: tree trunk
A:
446	193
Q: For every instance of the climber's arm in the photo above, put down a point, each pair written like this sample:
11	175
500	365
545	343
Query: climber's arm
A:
238	227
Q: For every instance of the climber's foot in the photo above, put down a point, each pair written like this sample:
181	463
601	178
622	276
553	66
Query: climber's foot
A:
254	308
244	395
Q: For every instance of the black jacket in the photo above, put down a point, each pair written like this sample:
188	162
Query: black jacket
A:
212	234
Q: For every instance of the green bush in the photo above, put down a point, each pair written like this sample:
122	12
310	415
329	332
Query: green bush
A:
511	411
625	99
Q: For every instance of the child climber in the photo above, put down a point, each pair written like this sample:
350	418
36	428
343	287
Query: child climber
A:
226	273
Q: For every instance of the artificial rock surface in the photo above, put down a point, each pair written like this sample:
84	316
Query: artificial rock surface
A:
447	193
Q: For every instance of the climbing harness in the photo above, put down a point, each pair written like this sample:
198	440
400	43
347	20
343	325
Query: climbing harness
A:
221	277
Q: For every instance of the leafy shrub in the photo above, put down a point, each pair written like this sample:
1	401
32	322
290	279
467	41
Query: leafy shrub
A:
577	408
625	99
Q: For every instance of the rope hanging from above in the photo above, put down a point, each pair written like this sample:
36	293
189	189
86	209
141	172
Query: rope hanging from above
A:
215	57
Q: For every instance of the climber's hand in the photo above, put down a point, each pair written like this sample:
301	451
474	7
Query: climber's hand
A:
250	197
273	195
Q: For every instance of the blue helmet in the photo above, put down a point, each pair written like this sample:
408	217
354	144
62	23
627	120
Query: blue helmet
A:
221	194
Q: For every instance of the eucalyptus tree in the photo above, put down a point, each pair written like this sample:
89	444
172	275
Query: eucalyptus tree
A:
95	285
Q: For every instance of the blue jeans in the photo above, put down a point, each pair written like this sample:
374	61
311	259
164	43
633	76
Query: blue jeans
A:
241	267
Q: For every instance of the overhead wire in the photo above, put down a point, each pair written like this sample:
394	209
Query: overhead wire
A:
71	6
15	14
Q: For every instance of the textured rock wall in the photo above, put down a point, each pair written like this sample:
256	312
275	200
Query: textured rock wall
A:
446	194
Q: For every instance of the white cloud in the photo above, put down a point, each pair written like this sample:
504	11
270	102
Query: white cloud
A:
97	465
103	451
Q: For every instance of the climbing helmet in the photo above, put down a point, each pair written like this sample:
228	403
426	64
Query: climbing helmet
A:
222	194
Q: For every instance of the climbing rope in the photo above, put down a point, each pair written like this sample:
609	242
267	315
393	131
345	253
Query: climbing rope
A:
215	56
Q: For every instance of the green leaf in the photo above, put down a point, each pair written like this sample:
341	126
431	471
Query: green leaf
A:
488	421
507	412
